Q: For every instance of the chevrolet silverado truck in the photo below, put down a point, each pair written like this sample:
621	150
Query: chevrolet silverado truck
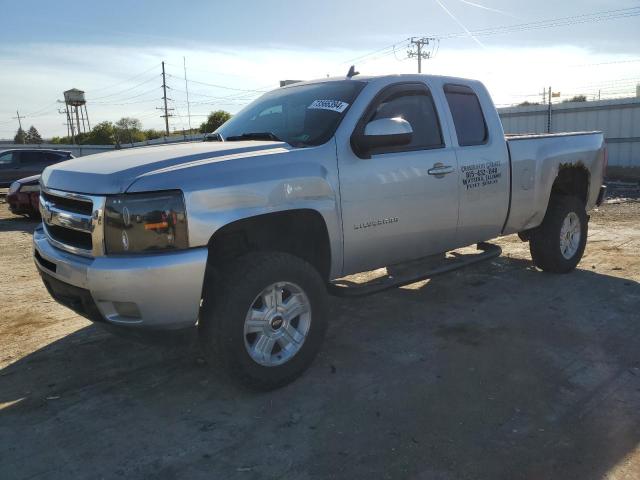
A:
243	237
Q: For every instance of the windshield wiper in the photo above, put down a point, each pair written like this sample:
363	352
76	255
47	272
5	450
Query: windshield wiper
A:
254	136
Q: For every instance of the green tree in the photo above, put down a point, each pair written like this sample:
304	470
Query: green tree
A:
152	134
33	136
577	98
214	120
21	136
128	130
102	134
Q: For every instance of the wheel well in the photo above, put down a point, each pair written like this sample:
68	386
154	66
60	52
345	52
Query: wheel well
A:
572	180
302	233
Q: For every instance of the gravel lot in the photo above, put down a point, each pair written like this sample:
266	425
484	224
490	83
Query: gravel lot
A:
496	371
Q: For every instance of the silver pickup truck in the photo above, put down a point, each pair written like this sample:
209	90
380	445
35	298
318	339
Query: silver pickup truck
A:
245	235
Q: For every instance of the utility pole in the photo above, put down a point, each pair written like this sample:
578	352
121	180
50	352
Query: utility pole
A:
164	97
549	113
19	118
419	52
186	87
66	113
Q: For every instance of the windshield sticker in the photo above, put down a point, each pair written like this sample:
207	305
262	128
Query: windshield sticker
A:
333	105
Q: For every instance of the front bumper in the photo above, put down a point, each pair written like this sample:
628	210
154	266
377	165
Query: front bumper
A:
156	291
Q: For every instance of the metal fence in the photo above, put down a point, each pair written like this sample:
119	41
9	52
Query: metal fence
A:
82	150
618	119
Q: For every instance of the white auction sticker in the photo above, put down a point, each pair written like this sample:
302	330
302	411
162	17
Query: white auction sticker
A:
333	105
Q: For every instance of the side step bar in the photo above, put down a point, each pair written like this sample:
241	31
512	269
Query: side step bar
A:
346	288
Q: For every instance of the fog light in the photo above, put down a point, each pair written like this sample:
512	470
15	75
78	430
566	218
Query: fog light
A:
127	309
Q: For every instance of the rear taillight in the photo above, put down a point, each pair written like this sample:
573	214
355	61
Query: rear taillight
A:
605	160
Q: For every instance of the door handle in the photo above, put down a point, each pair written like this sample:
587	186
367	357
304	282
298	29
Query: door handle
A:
440	170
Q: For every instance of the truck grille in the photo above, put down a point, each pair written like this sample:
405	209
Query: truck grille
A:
73	222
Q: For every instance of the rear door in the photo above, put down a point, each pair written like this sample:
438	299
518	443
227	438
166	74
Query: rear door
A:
402	202
483	160
32	162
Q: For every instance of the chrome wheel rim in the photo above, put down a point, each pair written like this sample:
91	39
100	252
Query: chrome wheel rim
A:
570	235
277	324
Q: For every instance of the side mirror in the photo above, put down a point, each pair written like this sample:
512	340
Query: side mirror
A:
384	132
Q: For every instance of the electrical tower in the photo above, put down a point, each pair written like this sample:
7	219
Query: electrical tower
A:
422	49
164	97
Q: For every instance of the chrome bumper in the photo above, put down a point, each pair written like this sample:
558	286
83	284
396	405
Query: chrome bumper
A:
159	291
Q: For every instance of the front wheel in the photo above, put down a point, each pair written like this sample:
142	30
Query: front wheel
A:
558	243
264	318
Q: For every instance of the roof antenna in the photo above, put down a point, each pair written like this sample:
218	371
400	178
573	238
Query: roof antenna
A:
352	72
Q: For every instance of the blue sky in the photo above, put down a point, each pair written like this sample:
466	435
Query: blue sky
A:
47	47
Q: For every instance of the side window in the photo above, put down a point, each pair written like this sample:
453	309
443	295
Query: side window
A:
7	158
468	119
50	158
417	108
31	158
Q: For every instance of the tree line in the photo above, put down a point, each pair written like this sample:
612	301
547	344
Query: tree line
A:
126	130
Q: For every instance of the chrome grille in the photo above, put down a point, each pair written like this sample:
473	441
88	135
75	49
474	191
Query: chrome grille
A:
73	221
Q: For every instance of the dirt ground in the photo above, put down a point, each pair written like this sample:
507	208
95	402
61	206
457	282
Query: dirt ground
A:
498	371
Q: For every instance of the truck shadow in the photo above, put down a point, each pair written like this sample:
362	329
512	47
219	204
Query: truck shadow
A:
18	224
495	371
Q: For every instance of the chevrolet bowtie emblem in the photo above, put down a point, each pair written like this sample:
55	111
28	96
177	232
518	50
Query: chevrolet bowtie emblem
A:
47	214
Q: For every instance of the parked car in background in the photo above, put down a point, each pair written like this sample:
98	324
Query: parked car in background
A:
24	162
23	196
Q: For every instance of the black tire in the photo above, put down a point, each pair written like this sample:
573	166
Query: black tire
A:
544	241
229	294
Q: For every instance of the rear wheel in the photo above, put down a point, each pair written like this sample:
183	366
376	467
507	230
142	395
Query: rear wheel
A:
558	244
263	319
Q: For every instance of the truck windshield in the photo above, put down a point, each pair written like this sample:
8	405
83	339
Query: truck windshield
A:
304	115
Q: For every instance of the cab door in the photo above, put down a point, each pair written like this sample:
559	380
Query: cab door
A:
483	160
32	162
402	202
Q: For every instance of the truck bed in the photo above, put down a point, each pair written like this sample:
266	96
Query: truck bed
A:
535	161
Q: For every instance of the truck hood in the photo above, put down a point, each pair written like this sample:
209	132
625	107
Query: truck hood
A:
113	172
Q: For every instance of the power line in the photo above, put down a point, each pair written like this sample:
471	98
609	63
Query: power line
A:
124	81
155	76
514	28
224	87
550	23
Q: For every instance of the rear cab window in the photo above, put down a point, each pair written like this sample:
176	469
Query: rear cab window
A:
468	119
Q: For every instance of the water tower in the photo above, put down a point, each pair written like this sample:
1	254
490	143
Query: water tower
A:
74	102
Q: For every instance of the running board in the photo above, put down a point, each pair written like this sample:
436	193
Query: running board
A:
347	288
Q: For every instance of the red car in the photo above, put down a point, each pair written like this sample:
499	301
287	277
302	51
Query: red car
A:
23	196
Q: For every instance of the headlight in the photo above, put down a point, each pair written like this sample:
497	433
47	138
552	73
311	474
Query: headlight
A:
142	222
30	188
14	187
